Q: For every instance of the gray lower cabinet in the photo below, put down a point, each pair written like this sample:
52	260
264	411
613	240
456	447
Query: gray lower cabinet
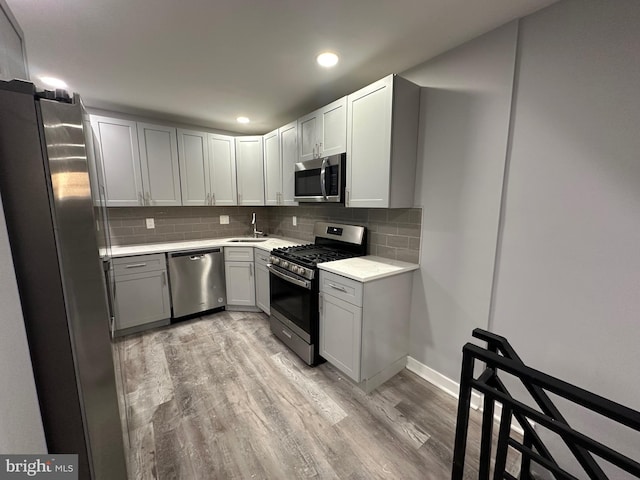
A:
262	281
364	327
240	278
341	334
141	293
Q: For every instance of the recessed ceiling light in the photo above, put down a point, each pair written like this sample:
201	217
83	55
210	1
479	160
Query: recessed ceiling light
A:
53	82
327	59
242	120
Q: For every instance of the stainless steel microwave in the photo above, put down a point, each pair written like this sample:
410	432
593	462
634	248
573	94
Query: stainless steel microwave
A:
320	179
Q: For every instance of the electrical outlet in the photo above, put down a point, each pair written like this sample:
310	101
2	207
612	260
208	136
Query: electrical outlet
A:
150	223
295	220
224	219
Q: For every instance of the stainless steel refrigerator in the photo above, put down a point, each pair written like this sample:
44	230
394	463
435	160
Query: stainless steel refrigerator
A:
45	191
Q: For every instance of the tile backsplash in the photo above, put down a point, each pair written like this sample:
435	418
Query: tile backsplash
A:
393	233
128	226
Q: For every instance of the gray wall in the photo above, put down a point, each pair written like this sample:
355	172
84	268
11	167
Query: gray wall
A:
568	284
21	428
462	150
12	56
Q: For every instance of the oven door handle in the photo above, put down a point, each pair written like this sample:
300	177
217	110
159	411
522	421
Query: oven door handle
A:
296	281
323	178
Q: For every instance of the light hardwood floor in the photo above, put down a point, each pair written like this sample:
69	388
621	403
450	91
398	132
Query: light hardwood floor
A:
219	397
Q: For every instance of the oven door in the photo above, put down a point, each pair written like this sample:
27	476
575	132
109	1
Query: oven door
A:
294	301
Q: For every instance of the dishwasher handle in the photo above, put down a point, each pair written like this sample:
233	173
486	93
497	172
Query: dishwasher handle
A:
195	254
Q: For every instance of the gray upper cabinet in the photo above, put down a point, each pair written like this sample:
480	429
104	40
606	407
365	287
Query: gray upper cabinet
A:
159	164
280	156
382	140
272	168
222	170
207	168
117	148
193	154
250	170
139	161
323	132
288	157
12	59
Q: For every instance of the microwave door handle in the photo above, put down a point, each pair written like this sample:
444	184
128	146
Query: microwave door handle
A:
323	176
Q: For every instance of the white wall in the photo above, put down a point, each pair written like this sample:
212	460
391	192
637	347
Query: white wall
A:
463	141
21	428
568	285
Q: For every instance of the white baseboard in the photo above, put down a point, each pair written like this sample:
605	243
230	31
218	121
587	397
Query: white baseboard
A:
439	380
452	387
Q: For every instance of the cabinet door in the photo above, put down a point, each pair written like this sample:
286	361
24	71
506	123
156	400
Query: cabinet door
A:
193	157
159	162
240	283
289	157
96	174
272	168
222	170
308	136
341	334
262	289
333	134
369	145
250	170
117	146
141	298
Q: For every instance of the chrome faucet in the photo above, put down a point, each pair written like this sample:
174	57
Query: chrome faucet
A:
256	232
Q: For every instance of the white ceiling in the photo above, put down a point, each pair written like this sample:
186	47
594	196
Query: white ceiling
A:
205	62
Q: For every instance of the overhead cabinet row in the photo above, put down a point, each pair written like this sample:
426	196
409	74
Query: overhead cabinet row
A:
156	165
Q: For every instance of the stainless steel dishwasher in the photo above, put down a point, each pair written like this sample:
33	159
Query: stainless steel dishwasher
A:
197	281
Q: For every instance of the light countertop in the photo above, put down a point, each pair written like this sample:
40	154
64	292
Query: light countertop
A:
366	269
361	269
268	244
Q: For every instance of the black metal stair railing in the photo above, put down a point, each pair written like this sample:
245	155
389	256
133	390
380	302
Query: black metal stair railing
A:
499	356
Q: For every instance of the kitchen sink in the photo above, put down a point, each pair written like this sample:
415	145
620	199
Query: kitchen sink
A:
248	240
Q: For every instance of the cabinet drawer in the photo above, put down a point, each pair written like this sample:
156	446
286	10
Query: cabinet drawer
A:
238	254
341	287
262	257
139	264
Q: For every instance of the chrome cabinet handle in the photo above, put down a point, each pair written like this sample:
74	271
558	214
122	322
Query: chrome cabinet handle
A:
320	149
164	278
286	333
140	198
207	199
213	199
251	269
320	302
196	257
135	265
239	199
346	201
148	198
337	287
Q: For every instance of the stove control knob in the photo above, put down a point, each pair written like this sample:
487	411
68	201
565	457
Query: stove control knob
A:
284	264
275	260
299	270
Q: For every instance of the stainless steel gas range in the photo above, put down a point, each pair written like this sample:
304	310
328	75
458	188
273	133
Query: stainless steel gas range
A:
293	278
